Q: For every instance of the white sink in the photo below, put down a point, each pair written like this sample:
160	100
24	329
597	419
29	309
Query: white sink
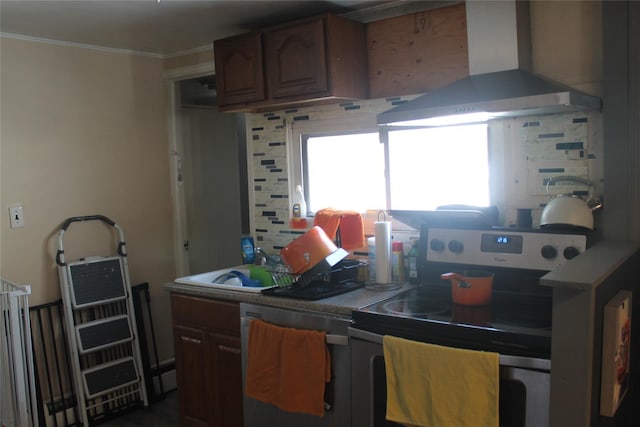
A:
207	279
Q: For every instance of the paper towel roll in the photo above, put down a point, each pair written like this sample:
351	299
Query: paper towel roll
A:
383	252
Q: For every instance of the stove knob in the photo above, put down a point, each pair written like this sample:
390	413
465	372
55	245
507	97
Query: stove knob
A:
548	252
570	252
456	246
436	245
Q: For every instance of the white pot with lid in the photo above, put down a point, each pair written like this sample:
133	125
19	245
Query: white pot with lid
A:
569	210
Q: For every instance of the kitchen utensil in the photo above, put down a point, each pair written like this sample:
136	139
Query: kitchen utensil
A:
310	249
570	210
472	287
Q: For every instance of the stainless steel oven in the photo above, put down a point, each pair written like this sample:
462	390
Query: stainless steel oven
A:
516	324
524	386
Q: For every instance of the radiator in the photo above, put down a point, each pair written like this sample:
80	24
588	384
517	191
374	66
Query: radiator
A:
17	383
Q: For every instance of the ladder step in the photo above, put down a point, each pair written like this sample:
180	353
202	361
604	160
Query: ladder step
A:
108	377
97	281
103	333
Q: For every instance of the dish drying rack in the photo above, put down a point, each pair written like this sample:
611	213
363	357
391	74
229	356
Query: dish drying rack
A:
17	384
336	271
281	275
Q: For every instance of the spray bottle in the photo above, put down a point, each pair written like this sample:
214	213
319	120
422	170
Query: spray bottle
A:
298	209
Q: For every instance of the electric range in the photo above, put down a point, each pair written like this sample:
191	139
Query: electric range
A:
517	321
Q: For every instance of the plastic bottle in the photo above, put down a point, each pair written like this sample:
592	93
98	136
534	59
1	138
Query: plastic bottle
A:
413	263
397	261
248	249
371	245
298	209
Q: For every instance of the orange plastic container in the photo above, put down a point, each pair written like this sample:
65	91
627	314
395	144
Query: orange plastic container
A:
307	250
474	287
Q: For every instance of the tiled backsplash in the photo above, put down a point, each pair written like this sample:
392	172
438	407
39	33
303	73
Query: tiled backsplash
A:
538	148
269	175
534	149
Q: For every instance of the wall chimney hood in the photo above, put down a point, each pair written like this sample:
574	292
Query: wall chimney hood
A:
500	83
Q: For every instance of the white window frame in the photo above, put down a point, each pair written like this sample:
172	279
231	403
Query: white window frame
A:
295	131
498	158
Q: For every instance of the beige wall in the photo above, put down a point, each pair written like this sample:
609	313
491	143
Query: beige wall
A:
194	58
85	132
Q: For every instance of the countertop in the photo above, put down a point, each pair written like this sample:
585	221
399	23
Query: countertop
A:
341	305
588	270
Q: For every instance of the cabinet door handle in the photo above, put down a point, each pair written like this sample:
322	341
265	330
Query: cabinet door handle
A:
191	340
228	349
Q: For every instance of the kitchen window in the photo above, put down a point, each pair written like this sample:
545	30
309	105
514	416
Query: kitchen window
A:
427	167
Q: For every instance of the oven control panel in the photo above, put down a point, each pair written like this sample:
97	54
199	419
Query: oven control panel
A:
503	248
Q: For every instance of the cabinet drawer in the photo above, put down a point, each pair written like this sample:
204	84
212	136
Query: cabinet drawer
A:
208	314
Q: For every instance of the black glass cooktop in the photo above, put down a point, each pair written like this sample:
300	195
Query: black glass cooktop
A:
519	325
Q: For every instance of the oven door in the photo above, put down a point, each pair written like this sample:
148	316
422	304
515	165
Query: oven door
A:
338	409
524	386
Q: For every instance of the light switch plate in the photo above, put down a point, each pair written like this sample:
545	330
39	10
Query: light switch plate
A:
16	215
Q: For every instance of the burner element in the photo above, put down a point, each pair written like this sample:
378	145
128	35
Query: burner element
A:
416	307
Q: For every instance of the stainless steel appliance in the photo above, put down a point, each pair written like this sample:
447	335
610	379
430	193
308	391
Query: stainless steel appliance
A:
516	323
500	82
337	394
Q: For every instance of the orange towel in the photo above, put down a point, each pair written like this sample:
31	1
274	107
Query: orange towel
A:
328	219
349	224
287	367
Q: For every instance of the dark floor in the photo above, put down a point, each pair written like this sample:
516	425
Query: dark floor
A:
160	414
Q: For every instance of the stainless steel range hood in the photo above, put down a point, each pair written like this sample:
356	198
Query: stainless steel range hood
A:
499	84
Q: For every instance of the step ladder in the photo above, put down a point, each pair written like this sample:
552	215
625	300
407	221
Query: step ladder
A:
100	320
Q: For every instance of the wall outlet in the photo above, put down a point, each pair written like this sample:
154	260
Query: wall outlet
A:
16	215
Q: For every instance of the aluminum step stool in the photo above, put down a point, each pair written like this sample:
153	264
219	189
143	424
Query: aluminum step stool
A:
98	307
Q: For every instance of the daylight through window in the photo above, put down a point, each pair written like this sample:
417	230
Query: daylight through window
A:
427	168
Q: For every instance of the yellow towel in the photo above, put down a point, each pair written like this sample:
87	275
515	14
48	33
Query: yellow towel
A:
435	386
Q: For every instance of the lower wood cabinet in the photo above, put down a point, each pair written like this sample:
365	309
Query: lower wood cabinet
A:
208	363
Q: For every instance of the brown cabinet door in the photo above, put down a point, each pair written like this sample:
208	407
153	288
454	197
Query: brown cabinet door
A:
192	371
296	59
239	69
208	362
227	374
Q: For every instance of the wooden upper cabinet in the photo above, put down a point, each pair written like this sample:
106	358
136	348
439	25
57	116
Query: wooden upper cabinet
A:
296	59
417	52
314	60
239	69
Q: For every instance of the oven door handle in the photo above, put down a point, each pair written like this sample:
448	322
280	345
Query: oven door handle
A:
365	335
332	339
505	360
